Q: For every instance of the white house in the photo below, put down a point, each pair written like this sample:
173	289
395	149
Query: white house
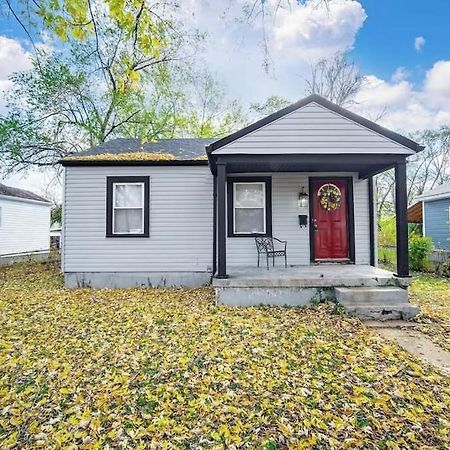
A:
303	175
24	225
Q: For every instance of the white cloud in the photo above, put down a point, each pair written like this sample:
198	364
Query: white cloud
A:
400	74
378	92
437	83
13	58
316	30
297	37
419	42
405	106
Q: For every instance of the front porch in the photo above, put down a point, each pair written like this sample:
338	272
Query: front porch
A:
305	175
281	186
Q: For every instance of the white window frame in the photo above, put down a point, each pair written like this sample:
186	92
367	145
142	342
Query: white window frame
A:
114	207
263	186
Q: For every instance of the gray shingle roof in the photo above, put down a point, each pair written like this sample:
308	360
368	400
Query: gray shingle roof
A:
189	148
440	191
9	191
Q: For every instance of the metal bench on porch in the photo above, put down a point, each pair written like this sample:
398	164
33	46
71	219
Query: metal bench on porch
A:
265	245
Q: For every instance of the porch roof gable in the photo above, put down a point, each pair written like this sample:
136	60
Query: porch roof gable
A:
314	125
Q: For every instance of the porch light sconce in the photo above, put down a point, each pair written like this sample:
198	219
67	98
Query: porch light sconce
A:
302	199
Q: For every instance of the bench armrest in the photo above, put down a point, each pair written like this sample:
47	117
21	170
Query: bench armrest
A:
281	241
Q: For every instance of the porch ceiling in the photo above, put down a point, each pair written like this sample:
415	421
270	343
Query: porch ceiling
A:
365	164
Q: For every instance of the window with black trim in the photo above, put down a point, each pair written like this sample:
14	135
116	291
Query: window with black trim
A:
249	207
127	204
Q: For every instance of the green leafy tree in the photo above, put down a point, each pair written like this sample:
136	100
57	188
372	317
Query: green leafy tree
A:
145	26
94	84
62	106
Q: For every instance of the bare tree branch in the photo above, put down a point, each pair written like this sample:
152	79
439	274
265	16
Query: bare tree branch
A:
336	79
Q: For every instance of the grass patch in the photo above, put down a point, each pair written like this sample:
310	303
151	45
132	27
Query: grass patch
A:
387	257
166	368
432	294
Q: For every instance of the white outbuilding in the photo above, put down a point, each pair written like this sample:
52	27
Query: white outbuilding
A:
24	225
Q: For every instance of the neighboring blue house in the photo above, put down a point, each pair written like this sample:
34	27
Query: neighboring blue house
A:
432	210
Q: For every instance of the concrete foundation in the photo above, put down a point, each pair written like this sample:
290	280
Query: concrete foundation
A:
276	296
113	280
19	257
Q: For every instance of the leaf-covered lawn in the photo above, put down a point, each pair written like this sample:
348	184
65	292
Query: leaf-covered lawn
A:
432	294
168	369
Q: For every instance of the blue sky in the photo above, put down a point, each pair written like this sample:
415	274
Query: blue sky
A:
386	41
401	47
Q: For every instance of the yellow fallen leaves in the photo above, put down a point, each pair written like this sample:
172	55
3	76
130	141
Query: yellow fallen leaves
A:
149	368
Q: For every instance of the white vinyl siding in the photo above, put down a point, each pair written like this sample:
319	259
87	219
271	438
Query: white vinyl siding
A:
25	226
313	129
181	221
285	189
180	230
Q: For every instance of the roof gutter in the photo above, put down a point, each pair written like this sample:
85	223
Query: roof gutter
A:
430	198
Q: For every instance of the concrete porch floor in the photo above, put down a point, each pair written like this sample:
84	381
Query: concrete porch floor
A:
318	276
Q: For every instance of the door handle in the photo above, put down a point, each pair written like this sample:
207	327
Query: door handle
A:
315	225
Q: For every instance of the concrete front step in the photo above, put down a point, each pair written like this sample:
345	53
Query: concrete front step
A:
371	295
382	312
381	303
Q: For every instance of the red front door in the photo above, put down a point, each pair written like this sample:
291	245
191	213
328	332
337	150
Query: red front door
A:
330	219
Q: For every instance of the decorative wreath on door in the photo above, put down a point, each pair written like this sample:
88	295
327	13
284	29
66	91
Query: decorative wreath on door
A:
329	197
